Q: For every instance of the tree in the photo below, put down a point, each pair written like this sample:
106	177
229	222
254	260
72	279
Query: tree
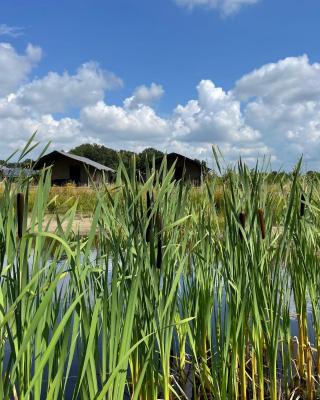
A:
98	153
146	157
110	158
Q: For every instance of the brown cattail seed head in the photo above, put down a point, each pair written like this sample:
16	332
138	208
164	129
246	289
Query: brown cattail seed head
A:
20	212
302	205
148	203
158	222
159	252
262	223
242	218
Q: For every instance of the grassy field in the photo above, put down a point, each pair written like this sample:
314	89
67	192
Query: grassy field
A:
175	292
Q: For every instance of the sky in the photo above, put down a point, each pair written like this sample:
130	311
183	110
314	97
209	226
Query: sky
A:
177	75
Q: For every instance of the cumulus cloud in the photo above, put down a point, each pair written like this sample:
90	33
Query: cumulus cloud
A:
282	101
214	117
144	95
226	7
291	80
58	93
130	125
273	110
15	68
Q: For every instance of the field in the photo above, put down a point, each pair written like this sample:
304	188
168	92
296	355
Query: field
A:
174	292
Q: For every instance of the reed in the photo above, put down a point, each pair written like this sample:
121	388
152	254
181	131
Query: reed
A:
162	299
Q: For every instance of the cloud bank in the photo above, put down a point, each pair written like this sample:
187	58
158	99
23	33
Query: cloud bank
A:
273	110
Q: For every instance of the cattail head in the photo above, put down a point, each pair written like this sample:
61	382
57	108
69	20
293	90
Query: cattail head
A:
159	252
262	223
302	205
20	213
158	222
242	219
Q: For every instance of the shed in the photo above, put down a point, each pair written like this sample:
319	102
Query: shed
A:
68	167
185	168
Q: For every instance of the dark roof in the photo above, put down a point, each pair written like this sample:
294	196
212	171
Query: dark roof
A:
184	158
48	159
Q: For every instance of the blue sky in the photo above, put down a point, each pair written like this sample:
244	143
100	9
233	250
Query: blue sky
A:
193	51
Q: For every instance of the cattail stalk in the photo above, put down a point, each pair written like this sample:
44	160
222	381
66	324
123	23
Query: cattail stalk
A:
149	227
318	356
254	374
159	249
301	353
310	386
20	213
262	223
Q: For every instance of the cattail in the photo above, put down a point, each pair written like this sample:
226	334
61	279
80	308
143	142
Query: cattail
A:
149	227
242	218
302	205
262	223
318	356
20	212
310	386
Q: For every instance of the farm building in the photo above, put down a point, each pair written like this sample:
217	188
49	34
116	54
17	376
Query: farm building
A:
185	168
68	167
15	173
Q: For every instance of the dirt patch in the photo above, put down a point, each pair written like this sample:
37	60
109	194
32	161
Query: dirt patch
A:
80	224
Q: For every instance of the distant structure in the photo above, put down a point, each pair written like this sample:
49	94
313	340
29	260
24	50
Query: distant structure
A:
15	173
69	168
185	168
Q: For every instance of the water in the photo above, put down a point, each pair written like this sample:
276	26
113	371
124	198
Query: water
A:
94	260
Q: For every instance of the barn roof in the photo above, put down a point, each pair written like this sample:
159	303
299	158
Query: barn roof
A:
49	158
177	156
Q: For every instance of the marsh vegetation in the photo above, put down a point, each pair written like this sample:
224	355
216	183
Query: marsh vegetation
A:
203	299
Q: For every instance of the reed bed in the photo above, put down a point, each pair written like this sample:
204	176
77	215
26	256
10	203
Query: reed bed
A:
161	300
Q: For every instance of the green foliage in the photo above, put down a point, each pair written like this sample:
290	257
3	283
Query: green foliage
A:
110	157
160	298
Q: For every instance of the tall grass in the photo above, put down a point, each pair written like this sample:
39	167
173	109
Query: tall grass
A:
172	294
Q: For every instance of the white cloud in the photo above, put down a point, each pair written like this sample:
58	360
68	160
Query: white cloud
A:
290	80
112	122
144	95
58	93
15	68
13	31
214	118
282	101
226	7
274	110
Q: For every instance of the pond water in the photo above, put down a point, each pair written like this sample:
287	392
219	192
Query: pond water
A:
63	285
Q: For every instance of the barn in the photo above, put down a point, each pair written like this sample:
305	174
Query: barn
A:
70	168
185	168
